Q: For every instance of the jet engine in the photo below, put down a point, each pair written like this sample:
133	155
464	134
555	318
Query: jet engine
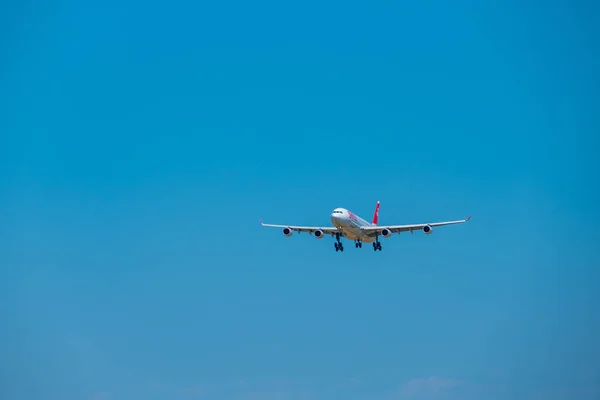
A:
427	229
287	232
386	233
319	234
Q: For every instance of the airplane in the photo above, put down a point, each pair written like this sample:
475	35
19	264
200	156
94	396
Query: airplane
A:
352	227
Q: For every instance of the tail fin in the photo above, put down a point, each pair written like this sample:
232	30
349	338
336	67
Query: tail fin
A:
376	215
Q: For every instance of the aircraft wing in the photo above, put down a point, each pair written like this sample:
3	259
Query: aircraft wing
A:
413	227
310	229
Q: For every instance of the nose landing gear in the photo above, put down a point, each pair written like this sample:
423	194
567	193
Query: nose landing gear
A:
338	244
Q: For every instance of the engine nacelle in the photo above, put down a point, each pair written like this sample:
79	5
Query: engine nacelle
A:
319	234
287	232
427	229
386	233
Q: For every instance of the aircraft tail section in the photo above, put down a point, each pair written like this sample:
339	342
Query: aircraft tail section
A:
376	215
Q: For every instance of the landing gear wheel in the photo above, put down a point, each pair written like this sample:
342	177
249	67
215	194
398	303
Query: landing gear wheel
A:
338	244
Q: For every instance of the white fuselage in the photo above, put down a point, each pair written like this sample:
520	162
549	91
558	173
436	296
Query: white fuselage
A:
350	224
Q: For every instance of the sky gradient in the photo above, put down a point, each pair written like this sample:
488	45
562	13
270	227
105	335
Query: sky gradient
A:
141	142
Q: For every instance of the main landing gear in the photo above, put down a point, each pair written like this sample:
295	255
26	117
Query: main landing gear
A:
357	243
376	245
338	244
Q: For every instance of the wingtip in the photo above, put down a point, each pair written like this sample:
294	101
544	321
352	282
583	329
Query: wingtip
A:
261	221
468	218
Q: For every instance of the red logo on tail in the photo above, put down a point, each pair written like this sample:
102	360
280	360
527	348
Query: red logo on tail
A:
376	215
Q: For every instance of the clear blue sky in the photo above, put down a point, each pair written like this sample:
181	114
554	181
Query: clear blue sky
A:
141	142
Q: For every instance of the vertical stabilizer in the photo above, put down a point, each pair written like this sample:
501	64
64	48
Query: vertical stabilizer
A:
376	215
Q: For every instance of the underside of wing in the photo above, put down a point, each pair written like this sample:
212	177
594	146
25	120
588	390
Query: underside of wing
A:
427	228
288	229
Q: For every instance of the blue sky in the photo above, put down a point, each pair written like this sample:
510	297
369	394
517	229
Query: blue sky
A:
141	142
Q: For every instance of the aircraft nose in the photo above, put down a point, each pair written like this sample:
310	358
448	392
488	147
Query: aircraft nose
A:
336	217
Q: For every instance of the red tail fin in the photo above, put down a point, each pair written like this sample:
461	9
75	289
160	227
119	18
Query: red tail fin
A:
376	215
